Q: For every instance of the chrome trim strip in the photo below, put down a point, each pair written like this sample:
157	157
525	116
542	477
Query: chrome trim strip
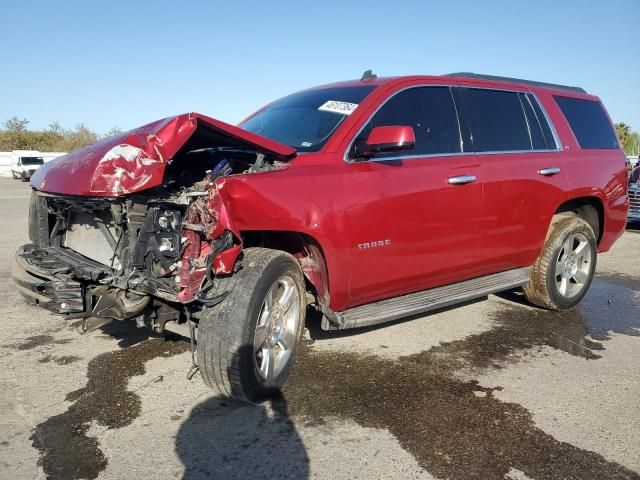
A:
554	133
413	157
436	155
455	107
524	113
516	151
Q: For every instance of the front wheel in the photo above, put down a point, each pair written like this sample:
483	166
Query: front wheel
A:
247	344
563	273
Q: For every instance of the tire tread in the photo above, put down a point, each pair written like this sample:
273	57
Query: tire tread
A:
537	289
223	330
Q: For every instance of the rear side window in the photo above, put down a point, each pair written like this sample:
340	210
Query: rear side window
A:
589	122
497	120
430	111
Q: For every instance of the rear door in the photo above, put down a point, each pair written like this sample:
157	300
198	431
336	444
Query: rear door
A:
522	170
409	227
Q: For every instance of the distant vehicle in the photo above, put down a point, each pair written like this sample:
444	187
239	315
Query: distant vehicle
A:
24	163
369	200
634	195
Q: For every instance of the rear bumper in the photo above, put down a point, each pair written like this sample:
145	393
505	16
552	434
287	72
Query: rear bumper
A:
38	285
615	222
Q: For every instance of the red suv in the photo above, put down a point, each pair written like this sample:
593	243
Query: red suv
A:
367	200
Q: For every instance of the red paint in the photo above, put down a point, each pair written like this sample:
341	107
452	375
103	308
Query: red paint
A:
224	262
213	216
92	171
424	231
400	135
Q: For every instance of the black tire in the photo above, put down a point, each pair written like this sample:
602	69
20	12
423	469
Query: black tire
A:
24	178
226	332
542	288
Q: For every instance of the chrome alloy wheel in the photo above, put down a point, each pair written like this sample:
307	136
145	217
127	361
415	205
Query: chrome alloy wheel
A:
573	265
276	329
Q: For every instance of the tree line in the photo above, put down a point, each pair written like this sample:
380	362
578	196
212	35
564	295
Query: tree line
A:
629	139
16	135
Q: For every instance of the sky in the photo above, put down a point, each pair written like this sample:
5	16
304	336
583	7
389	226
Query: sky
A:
126	63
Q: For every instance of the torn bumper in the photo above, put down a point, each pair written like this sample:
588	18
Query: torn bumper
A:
34	273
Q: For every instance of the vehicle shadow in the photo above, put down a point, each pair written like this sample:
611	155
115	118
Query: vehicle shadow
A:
516	296
225	439
125	332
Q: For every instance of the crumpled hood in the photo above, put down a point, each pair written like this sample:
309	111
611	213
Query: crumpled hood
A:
136	160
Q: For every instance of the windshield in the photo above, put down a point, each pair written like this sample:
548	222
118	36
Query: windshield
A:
306	120
31	160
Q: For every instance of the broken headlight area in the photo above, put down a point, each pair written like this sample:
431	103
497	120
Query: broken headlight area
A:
166	244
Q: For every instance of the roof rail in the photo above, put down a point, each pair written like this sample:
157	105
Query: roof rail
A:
514	80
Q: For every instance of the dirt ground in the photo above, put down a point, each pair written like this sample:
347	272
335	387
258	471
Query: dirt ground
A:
493	389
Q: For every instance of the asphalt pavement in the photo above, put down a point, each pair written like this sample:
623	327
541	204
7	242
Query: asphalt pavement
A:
493	389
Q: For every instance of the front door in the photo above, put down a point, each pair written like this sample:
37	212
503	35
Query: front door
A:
413	217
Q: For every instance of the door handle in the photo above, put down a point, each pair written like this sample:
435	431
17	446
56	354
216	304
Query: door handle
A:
547	172
461	180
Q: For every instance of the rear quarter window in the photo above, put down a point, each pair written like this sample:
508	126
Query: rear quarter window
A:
589	122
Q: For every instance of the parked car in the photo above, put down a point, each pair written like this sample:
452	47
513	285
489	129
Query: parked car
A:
24	163
368	200
634	195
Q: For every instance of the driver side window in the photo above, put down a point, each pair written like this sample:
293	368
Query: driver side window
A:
430	111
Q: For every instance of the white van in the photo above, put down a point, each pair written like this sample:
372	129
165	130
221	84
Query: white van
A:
24	163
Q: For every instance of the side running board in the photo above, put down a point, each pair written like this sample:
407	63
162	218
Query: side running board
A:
424	301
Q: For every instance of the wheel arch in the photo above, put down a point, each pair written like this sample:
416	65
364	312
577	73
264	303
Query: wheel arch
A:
590	209
304	248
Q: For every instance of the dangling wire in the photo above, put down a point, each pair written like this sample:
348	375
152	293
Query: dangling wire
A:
192	339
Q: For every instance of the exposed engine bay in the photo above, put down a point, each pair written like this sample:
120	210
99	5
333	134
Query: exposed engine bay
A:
107	256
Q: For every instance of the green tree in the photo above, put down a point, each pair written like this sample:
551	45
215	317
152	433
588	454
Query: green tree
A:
79	137
14	135
15	125
56	129
629	139
633	146
113	132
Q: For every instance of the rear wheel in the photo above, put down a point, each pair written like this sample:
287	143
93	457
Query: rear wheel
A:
247	344
563	273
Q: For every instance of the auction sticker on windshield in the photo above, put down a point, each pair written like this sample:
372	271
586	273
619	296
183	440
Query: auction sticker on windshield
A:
343	108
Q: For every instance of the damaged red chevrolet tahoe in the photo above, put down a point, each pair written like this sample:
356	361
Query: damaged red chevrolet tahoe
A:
368	200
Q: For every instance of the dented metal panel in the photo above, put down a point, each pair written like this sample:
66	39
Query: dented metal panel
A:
136	160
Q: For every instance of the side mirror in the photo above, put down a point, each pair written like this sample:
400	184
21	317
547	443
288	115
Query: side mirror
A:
387	139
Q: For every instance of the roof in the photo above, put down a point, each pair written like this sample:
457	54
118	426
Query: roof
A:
515	80
464	78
